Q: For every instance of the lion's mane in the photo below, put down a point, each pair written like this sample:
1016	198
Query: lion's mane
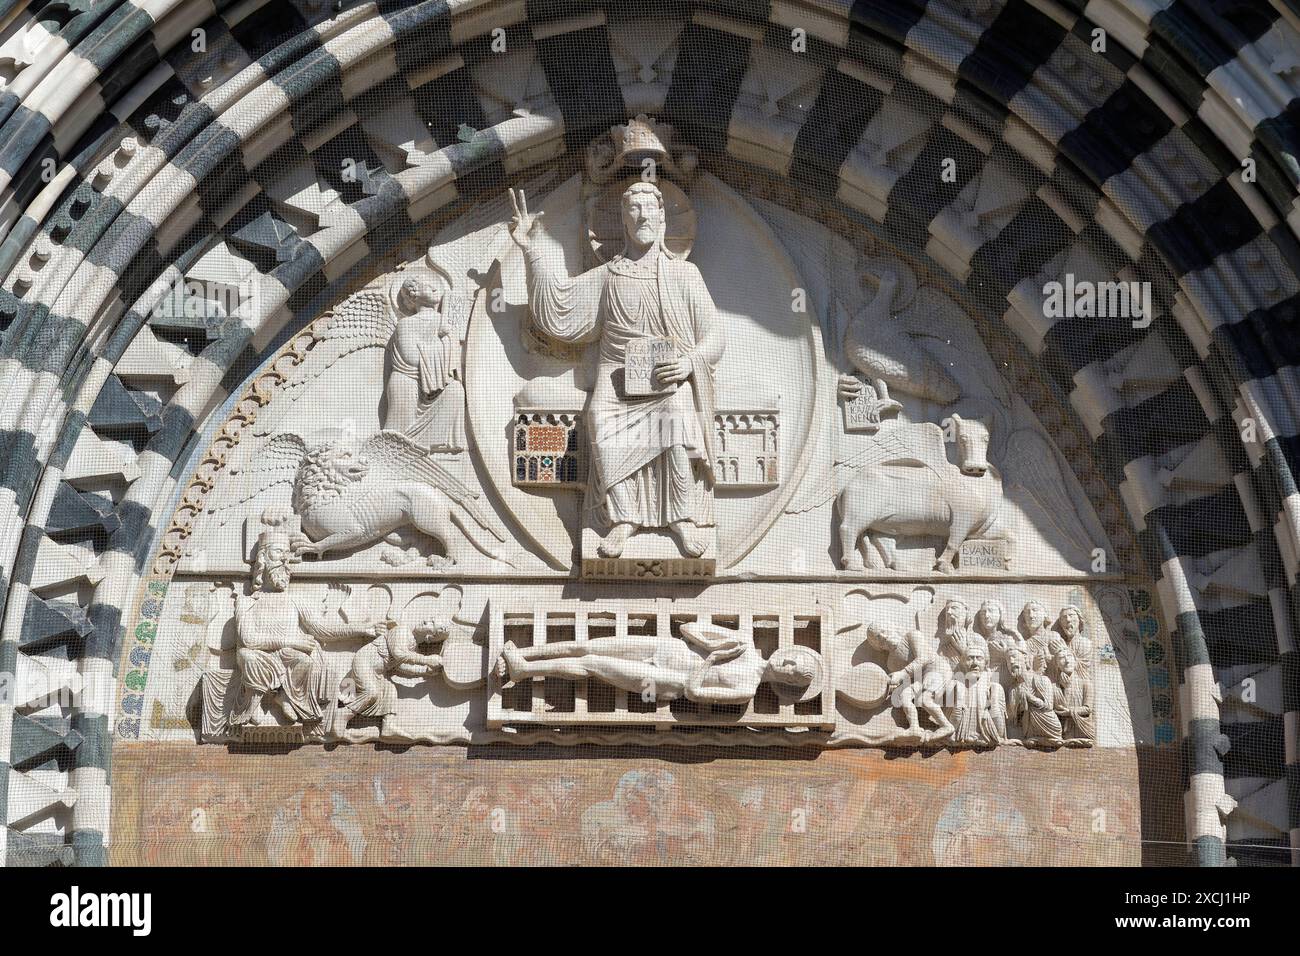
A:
319	480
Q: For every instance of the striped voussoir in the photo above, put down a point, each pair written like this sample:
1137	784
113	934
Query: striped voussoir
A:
137	137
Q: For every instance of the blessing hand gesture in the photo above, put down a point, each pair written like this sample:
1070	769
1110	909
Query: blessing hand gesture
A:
522	222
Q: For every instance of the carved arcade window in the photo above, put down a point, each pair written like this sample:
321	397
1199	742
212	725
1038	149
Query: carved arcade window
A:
547	449
747	451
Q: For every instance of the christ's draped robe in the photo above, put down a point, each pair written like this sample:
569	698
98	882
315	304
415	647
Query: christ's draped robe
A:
644	450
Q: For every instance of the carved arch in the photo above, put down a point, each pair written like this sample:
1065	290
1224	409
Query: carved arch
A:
1013	88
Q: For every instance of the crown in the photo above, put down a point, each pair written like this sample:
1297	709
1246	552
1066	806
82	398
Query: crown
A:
277	529
641	137
276	537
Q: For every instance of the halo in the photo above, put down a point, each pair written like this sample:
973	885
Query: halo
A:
787	694
428	269
865	685
431	605
605	219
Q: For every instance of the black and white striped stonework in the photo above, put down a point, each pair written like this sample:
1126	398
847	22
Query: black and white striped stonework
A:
1124	163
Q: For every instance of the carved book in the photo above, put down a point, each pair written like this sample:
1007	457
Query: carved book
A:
862	413
639	365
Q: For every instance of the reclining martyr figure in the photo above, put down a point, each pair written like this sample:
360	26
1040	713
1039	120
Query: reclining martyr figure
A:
712	664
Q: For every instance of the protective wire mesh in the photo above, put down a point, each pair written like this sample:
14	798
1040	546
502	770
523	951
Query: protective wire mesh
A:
912	184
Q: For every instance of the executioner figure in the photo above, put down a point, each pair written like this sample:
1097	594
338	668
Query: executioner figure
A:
652	458
919	679
369	689
710	664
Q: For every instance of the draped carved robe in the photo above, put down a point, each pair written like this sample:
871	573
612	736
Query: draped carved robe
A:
651	457
1073	696
268	662
1033	704
424	396
983	710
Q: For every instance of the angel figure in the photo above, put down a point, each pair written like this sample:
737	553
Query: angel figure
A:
423	395
711	664
419	323
350	495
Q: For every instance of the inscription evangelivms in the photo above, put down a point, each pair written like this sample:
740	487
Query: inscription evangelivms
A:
577	472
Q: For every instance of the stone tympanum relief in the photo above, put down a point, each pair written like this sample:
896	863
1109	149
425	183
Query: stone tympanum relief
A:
626	453
301	664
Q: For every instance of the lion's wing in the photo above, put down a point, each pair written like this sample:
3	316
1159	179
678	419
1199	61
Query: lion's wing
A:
392	456
396	458
275	463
